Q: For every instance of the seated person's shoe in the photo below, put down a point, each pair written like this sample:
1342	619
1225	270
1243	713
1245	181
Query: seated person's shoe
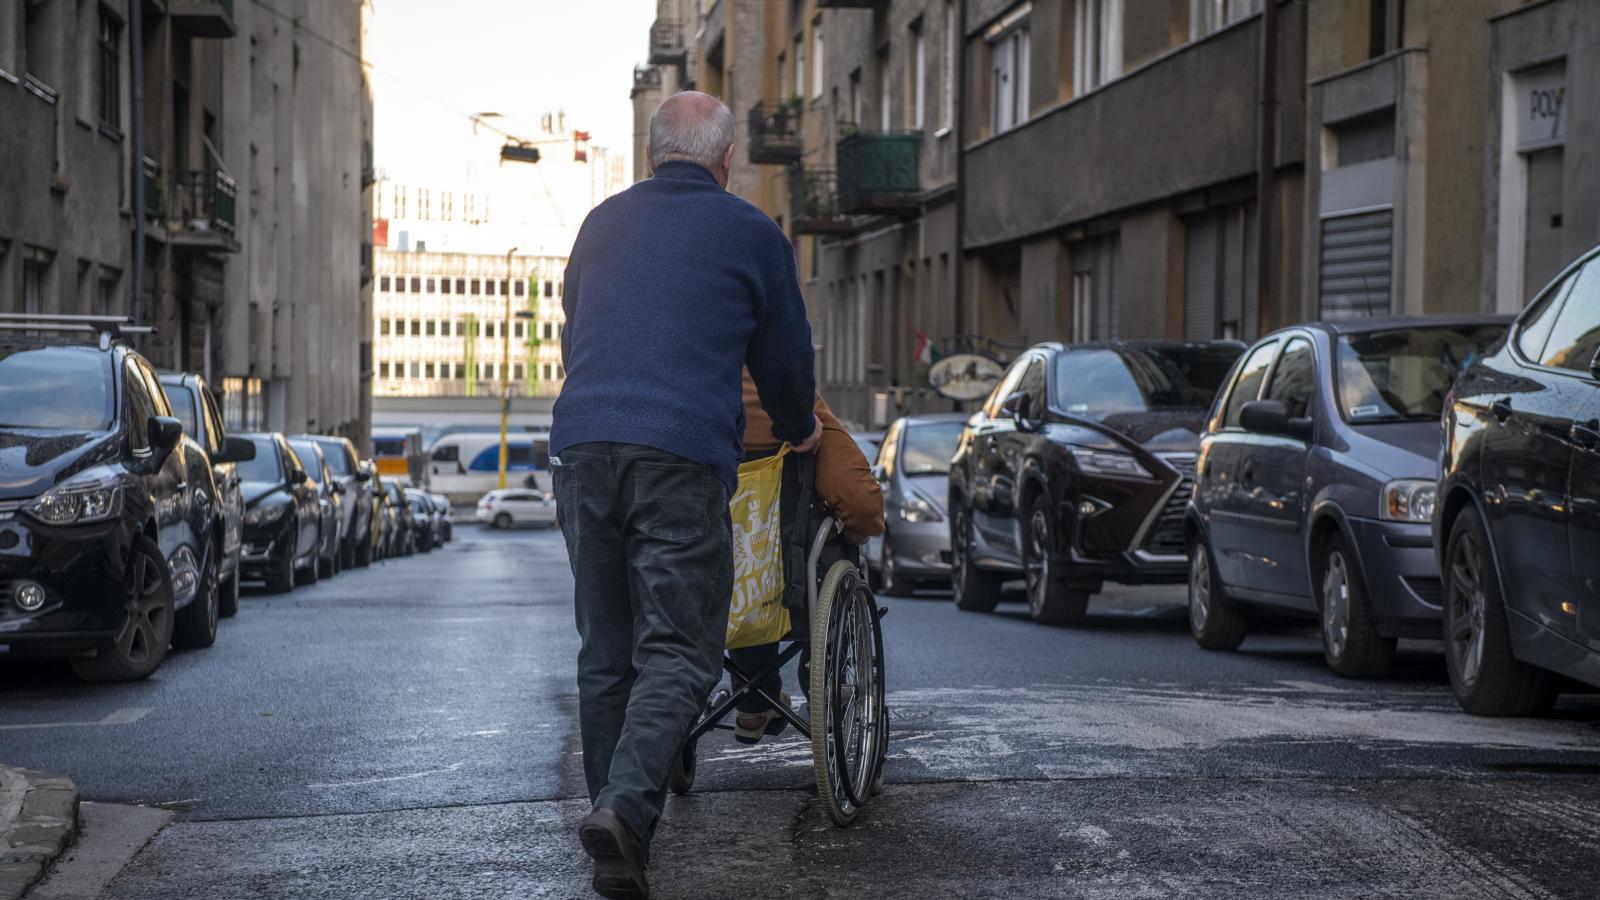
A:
619	857
751	727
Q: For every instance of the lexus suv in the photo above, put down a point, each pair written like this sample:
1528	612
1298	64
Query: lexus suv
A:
111	533
1518	521
1077	471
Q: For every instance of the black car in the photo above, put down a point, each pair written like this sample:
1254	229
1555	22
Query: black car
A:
1518	522
195	407
1314	490
282	516
355	482
1077	471
330	500
111	533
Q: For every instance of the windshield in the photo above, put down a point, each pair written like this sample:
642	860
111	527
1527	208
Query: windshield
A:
926	449
307	452
1391	376
1100	383
333	452
264	467
183	408
55	387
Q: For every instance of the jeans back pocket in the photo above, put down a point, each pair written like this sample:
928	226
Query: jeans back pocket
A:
669	500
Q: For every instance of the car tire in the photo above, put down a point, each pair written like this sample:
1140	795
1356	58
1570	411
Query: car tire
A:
364	553
313	569
1495	683
1214	624
1350	640
1051	601
196	625
503	521
229	603
282	581
889	583
146	636
975	590
347	553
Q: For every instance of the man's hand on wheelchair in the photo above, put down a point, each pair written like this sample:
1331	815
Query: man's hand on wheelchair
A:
810	443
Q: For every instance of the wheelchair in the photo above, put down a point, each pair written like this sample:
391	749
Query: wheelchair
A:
836	630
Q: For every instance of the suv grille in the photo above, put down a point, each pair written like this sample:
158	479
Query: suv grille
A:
1166	535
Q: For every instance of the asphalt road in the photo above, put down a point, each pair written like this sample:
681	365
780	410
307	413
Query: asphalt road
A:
409	731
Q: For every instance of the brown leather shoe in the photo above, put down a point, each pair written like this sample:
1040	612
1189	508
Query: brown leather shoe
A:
619	857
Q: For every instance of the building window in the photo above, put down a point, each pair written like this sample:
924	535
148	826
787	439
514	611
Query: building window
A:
400	285
416	285
919	76
1387	25
431	327
855	96
1206	16
444	285
517	372
549	288
432	288
461	371
818	71
383	370
41	41
947	108
1097	44
884	117
416	328
383	283
427	370
489	285
383	327
518	287
477	287
799	65
110	80
783	76
1008	53
461	285
35	276
520	331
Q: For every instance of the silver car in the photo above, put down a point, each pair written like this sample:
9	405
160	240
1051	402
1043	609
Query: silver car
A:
913	463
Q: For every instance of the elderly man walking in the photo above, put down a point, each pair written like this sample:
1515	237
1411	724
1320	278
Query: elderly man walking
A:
673	287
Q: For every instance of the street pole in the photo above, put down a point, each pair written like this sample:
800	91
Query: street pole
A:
505	375
136	79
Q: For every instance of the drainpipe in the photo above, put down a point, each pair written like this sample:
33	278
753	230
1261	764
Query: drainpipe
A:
136	63
1267	164
958	132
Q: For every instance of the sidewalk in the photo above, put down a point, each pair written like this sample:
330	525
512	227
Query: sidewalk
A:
38	816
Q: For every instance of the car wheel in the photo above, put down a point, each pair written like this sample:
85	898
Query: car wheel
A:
975	590
282	580
1214	624
1486	678
1050	600
503	520
1350	640
228	604
146	634
364	553
347	553
196	625
889	582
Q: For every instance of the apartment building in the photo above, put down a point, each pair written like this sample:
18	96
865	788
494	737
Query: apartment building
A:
256	126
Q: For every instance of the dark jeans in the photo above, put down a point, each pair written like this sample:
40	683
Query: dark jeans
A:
651	547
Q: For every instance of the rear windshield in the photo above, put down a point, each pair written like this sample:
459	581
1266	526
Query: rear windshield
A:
926	449
265	465
55	388
1400	375
1099	383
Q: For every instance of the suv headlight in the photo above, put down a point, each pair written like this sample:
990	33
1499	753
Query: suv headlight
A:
1107	462
1408	500
262	515
918	509
78	502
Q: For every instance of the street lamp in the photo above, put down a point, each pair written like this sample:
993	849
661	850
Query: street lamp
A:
505	375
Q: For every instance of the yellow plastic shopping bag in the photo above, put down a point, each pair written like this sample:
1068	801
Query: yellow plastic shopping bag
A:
757	615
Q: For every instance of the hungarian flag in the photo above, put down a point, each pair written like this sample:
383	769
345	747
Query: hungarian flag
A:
926	353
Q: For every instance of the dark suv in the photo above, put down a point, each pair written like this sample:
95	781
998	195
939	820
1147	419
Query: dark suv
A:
1518	526
1077	471
111	534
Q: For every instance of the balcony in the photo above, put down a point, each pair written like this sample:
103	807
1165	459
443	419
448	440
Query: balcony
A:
814	204
202	211
645	78
202	18
880	172
775	132
152	189
666	43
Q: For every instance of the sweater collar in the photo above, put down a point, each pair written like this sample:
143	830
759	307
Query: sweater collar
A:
682	170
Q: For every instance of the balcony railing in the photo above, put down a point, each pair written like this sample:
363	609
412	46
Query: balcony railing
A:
152	189
646	78
880	172
666	43
775	132
203	205
813	202
203	18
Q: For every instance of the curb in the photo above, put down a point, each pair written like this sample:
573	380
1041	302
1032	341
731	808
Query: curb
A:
38	818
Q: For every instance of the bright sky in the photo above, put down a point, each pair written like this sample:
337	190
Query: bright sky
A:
517	57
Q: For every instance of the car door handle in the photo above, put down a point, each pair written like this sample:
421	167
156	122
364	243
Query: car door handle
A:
1585	434
1501	409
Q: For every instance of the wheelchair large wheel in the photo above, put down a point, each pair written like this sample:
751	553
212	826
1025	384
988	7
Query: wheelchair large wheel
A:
846	697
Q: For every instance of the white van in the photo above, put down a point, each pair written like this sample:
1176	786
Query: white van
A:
465	465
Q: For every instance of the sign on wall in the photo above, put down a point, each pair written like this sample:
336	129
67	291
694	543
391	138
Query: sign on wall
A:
1541	96
965	376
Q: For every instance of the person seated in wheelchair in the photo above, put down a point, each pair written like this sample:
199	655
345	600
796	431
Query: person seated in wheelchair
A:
844	482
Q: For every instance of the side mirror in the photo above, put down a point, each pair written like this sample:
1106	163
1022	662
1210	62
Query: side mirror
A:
235	450
1015	408
165	433
363	474
297	475
336	486
1272	417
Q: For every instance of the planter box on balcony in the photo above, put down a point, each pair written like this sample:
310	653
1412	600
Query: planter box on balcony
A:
880	172
775	133
813	203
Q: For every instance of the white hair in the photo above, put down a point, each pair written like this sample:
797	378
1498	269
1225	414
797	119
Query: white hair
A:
702	141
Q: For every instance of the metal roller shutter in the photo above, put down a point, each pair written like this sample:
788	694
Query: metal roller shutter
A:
1357	265
1543	255
1200	278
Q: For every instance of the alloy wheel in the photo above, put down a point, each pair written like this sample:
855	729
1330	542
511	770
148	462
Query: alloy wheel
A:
1466	607
1199	588
1036	571
147	613
1336	604
960	540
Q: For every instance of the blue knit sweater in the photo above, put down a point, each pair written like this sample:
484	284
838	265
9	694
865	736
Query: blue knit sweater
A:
672	288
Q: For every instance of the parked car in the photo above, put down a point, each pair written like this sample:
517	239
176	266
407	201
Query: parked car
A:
1077	471
282	516
511	507
1314	490
1518	524
447	517
405	538
913	463
355	547
384	518
195	407
330	500
428	530
868	441
111	545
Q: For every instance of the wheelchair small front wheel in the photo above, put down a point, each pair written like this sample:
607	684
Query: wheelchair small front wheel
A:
680	778
847	694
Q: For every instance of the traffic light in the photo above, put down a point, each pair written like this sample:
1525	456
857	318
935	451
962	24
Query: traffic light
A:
519	153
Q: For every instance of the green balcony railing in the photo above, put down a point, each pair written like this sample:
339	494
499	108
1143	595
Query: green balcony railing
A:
205	201
880	172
